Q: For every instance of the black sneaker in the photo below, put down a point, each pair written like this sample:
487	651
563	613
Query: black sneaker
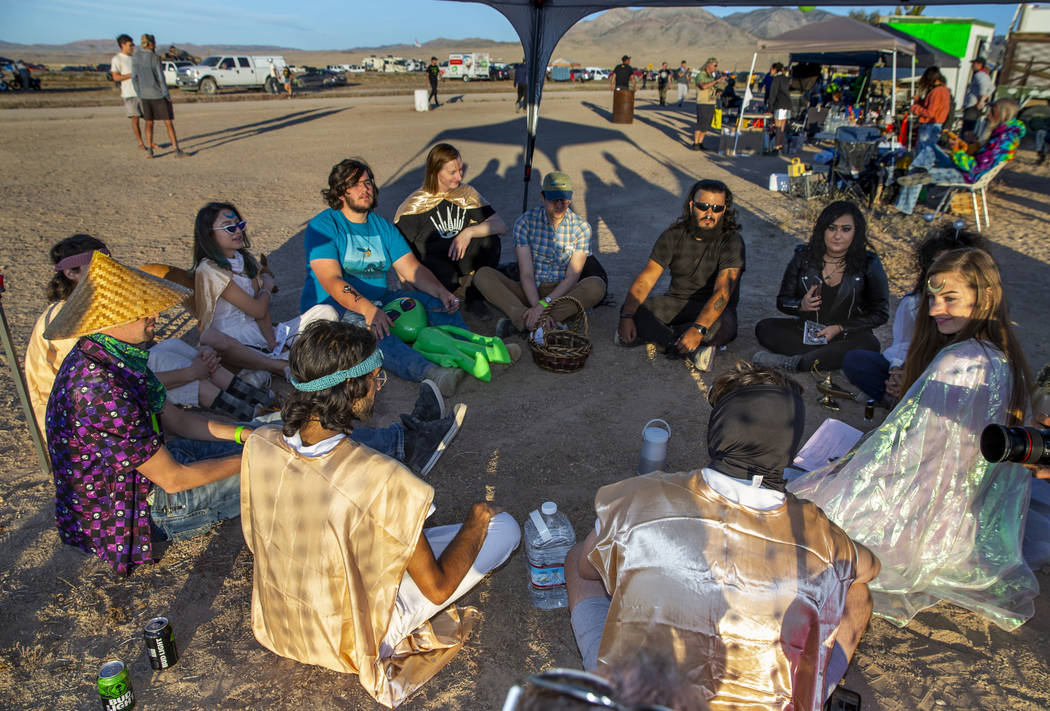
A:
430	405
425	444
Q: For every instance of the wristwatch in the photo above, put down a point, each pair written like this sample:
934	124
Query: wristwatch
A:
702	329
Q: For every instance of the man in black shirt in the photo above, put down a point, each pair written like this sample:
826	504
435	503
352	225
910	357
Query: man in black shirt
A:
623	75
705	254
433	72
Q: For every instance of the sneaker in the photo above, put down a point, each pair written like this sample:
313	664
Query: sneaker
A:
695	147
505	328
775	360
425	445
430	405
702	357
447	379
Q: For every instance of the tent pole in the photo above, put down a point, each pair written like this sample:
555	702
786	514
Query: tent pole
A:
911	95
746	101
532	93
893	89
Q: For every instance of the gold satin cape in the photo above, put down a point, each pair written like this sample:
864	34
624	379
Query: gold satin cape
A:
332	537
745	602
43	359
421	201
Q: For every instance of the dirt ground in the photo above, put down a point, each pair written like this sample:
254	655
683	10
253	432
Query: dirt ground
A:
529	435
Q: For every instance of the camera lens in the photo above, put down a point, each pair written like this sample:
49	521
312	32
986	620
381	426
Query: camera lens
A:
1023	445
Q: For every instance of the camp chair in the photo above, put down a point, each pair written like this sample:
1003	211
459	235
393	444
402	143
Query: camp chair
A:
854	172
814	121
956	186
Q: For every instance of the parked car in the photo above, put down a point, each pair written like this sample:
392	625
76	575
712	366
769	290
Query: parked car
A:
230	71
499	71
314	78
598	73
171	71
355	69
581	74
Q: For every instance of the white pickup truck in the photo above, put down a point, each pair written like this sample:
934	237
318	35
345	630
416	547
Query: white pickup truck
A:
232	71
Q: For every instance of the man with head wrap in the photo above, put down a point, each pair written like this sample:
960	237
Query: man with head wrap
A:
755	594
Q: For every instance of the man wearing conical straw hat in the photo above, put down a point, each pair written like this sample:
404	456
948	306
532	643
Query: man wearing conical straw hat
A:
116	474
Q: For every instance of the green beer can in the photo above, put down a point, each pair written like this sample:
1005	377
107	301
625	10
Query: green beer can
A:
114	687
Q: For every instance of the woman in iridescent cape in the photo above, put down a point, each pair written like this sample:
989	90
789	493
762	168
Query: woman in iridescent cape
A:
946	524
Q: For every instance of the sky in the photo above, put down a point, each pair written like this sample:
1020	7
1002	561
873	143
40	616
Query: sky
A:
306	24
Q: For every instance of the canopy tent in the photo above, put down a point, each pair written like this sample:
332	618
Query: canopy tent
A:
926	55
541	23
839	41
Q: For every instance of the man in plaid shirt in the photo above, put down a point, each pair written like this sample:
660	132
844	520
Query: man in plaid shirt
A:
552	244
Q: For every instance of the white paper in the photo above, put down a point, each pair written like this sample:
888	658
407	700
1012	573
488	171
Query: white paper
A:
832	440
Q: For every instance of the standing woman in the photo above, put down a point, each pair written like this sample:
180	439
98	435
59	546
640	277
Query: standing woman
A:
837	286
779	103
233	293
931	109
945	523
450	227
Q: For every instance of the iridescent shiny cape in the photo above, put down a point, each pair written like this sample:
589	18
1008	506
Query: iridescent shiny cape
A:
43	358
332	537
209	281
946	524
421	201
745	602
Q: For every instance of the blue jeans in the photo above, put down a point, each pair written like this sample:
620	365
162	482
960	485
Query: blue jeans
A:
867	370
925	144
942	170
398	356
388	440
189	513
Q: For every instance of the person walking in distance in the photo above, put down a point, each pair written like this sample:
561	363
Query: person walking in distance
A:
121	71
433	72
147	77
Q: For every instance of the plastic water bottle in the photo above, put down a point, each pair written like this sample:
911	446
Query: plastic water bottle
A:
548	538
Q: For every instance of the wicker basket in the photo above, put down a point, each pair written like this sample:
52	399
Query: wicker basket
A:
565	350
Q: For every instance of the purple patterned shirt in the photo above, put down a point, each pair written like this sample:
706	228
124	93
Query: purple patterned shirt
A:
99	428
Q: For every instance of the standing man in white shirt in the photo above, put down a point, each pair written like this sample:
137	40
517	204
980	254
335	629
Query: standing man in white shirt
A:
120	68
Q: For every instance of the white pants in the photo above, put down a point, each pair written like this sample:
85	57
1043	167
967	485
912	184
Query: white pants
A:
174	354
247	331
683	92
412	608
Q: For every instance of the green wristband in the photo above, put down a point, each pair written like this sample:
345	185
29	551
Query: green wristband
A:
237	434
544	303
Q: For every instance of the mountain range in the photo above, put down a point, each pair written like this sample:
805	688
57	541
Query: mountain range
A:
649	35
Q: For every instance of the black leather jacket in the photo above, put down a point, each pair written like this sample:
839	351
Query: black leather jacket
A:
863	300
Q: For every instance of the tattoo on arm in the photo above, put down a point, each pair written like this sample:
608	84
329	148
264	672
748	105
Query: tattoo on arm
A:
720	303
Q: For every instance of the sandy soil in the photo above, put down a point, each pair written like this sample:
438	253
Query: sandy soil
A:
529	435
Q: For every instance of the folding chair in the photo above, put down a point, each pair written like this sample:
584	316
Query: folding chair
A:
854	172
958	186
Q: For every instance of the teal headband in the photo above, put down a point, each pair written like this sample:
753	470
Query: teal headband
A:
327	381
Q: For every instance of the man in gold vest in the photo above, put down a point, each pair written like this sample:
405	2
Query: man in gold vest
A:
346	577
755	594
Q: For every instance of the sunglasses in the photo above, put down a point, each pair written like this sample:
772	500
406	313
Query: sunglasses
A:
380	379
232	229
582	686
705	206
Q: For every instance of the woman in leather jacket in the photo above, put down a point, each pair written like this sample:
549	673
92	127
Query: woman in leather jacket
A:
837	286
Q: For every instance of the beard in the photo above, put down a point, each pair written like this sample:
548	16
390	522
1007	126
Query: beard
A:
696	231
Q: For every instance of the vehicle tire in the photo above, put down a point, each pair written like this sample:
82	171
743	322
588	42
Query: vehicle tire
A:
208	86
466	79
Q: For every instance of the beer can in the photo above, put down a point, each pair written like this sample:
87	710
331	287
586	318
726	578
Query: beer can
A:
114	687
160	643
869	410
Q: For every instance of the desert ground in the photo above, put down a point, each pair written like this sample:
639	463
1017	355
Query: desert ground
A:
529	435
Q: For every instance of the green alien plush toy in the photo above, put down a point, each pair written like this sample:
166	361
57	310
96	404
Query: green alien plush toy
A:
448	346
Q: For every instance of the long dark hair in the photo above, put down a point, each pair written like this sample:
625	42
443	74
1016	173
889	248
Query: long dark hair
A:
323	348
944	239
929	79
343	176
205	246
728	222
989	323
856	255
61	286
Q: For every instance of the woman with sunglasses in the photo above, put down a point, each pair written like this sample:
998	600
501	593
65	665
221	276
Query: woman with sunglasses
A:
835	292
233	293
451	228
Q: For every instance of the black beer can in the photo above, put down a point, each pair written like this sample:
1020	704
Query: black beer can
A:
160	643
869	410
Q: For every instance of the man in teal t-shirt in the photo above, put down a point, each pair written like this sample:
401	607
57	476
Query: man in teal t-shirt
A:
349	252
